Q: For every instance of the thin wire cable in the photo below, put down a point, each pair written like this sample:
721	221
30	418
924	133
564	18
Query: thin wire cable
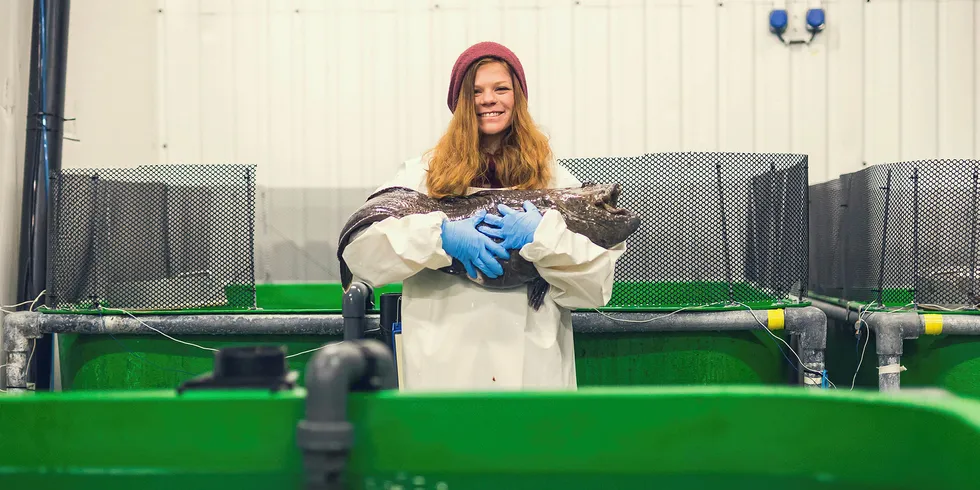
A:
158	331
33	341
25	302
766	328
867	328
306	351
943	308
867	337
30	357
147	361
752	313
624	320
325	345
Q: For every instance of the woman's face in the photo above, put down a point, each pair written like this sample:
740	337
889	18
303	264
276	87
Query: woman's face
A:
494	96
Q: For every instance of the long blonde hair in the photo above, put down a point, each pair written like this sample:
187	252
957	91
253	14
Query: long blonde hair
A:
456	160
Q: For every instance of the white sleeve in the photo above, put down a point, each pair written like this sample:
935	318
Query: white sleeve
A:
395	249
580	272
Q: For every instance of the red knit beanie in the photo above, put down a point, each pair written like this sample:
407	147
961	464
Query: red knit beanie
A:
473	54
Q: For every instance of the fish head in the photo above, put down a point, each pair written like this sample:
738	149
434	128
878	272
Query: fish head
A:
592	210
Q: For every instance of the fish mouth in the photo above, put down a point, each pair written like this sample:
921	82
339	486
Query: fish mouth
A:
609	199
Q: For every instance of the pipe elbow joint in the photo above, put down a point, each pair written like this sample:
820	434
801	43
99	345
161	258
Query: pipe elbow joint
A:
891	329
810	323
325	435
358	298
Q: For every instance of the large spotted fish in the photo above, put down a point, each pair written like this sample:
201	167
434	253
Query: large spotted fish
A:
589	210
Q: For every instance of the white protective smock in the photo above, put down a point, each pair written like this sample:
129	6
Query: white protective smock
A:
458	335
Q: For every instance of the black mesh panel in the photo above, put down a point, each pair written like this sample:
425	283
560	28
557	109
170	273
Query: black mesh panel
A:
903	232
154	237
827	204
716	227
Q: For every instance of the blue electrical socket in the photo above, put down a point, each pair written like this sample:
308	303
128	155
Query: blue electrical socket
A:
815	20
778	21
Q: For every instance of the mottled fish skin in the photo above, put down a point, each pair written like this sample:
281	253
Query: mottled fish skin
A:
589	210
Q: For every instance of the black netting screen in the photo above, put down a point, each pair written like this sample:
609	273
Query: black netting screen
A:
717	227
153	237
826	209
898	233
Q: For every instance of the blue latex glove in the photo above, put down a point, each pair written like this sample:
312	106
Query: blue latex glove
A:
516	228
462	241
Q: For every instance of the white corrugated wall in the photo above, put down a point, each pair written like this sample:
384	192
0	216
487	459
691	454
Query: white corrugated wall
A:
335	93
15	38
328	96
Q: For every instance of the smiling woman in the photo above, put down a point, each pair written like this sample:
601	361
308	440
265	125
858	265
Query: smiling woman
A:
492	141
458	333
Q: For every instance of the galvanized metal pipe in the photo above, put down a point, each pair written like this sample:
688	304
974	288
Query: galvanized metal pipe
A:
890	330
686	321
890	380
15	344
834	311
20	327
893	328
808	323
956	324
34	324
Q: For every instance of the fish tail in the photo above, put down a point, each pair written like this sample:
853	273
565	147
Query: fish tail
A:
346	277
536	292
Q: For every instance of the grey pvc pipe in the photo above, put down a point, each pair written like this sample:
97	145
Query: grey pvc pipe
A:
324	435
353	306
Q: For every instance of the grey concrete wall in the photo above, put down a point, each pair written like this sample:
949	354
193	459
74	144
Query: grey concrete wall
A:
297	231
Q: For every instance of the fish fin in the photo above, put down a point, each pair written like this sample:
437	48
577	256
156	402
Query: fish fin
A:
536	292
346	277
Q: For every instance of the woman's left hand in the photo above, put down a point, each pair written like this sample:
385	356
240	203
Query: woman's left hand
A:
516	227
